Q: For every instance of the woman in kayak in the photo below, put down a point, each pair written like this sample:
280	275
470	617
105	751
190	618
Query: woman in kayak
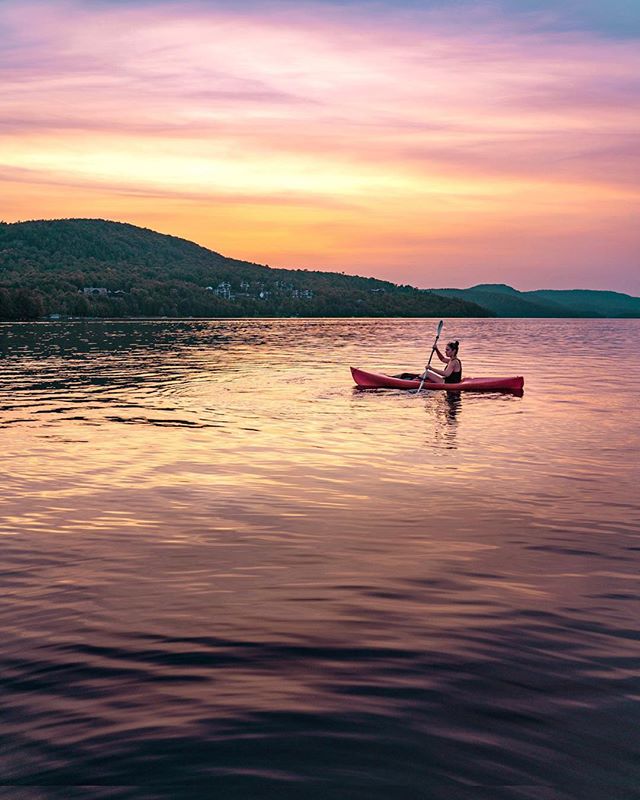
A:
452	373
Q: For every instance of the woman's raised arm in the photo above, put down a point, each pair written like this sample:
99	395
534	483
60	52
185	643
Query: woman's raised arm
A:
442	358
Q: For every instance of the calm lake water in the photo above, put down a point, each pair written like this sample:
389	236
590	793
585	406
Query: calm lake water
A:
227	573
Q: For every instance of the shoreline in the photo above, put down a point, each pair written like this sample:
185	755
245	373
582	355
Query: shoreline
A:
42	320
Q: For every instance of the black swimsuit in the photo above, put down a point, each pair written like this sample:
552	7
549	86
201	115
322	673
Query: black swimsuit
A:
456	376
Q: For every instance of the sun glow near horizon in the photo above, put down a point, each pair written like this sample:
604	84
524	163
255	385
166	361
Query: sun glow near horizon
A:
420	147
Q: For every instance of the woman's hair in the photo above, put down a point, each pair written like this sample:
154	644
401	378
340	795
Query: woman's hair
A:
454	345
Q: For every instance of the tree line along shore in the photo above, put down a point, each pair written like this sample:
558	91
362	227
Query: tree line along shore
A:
97	268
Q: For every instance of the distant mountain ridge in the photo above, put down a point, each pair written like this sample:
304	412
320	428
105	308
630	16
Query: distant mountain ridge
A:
99	268
505	301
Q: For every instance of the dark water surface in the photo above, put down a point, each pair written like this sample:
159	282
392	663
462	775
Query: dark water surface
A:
227	573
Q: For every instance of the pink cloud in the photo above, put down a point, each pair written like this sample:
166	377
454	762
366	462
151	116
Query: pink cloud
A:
399	116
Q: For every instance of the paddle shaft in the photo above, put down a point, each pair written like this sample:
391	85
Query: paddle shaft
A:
433	349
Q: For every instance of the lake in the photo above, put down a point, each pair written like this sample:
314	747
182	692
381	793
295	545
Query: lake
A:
228	573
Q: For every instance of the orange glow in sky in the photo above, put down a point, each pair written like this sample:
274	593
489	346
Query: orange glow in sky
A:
428	147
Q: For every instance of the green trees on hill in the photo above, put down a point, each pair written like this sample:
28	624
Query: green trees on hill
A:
505	301
48	266
20	304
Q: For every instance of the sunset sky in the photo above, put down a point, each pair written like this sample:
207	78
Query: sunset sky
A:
432	143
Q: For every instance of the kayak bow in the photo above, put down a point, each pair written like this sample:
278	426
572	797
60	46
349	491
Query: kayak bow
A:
375	380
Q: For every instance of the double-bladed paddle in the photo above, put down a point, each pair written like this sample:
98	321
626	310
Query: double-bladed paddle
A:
433	349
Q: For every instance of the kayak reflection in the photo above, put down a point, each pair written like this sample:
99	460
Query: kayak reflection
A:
445	408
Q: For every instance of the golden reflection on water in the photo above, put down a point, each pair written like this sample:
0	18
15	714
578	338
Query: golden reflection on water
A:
236	425
177	487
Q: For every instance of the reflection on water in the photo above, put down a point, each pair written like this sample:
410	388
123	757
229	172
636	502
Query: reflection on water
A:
227	573
446	412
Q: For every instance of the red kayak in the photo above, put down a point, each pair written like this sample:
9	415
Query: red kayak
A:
375	380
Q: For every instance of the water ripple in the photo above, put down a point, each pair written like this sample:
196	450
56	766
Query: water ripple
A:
225	572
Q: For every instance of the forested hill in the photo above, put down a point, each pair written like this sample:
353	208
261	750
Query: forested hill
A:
505	301
97	268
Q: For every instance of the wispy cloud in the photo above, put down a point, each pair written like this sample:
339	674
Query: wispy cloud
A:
412	142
